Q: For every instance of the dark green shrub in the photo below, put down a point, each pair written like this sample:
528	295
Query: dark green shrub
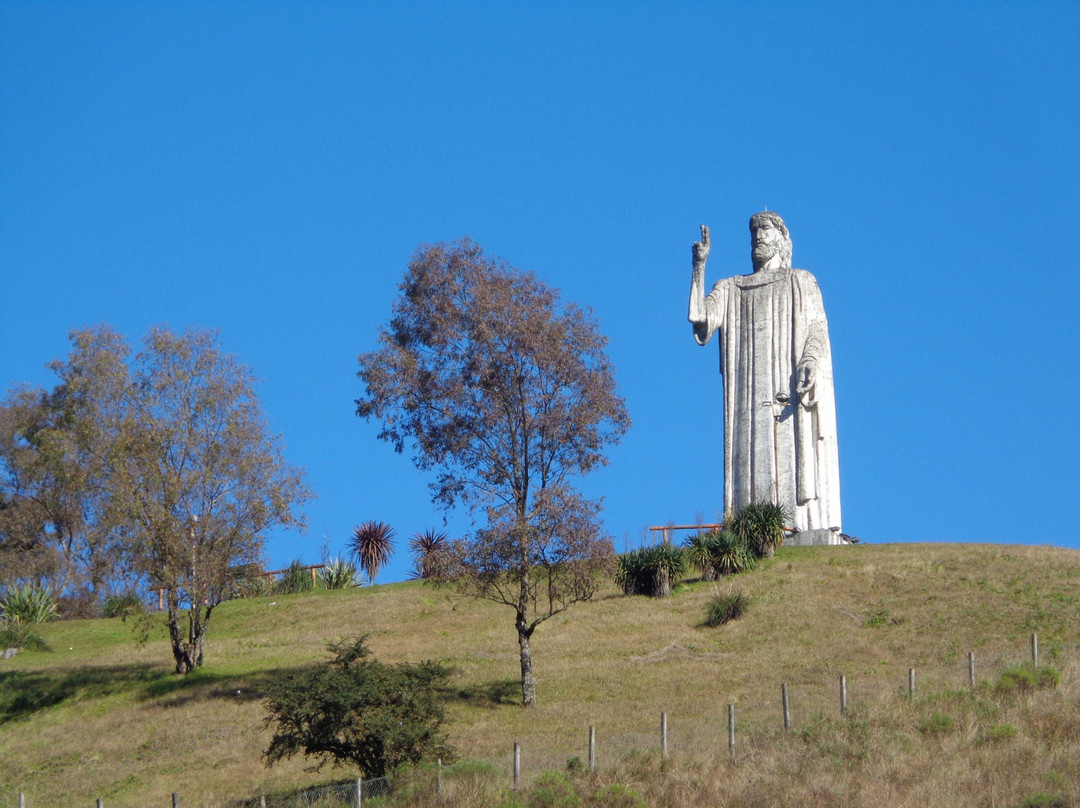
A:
1027	679
699	551
650	570
760	526
358	711
553	790
14	633
127	605
720	553
28	603
722	608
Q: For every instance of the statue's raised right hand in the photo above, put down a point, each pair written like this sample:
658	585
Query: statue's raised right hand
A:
701	248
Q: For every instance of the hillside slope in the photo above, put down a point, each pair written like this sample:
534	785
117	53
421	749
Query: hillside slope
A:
102	717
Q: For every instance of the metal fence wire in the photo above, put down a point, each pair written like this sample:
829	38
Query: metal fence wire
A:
336	795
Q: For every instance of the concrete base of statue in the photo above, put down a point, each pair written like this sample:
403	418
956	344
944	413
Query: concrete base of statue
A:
810	538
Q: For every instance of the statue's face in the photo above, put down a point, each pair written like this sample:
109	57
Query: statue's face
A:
766	241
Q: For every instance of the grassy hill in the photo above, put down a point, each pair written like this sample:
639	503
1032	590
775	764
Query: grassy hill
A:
101	717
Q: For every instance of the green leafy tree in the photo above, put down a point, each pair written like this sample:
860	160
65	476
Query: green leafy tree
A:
507	395
359	711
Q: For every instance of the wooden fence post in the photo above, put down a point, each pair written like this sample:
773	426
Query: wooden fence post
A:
843	694
731	730
787	707
517	765
175	800
438	777
911	681
22	800
99	802
663	736
1035	650
592	749
262	802
971	669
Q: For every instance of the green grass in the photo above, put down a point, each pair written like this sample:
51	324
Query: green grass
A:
101	716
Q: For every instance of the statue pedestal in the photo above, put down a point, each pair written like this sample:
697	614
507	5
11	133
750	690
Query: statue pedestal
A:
809	538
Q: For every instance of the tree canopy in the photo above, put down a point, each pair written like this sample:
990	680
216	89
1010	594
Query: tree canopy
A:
159	462
507	395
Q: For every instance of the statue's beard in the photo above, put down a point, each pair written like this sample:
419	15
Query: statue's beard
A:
763	253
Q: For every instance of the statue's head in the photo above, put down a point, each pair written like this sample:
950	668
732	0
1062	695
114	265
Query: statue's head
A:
769	237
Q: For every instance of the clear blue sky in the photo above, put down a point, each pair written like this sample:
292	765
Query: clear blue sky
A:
267	169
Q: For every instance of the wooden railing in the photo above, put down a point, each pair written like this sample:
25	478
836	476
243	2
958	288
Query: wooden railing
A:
268	574
714	526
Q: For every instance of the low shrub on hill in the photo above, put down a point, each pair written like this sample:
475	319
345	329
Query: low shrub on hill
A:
724	607
358	711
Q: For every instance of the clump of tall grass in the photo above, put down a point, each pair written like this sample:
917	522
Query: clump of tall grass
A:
724	607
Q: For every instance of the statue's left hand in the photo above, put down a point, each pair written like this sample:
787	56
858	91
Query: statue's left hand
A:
805	378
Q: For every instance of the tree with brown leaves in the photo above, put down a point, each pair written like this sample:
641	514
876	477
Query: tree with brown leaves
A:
189	476
507	394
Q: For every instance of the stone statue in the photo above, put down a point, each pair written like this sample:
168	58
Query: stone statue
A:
779	408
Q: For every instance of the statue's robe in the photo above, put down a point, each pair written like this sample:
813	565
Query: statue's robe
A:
774	452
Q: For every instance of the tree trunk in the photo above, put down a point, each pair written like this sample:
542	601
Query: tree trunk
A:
187	653
528	683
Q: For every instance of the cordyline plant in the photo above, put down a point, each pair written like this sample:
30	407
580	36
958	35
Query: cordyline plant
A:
371	545
507	395
427	546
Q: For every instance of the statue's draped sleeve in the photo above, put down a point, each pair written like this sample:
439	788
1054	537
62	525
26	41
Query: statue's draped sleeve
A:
715	311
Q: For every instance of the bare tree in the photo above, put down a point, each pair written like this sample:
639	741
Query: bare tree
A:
507	395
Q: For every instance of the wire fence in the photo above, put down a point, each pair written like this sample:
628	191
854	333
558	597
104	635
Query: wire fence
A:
347	794
717	729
